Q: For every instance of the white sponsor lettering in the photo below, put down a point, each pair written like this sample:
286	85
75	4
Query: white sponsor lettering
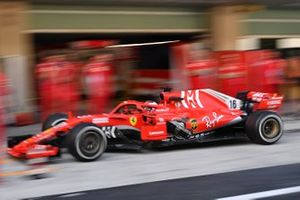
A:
109	131
274	102
84	116
258	94
156	133
100	120
210	123
162	110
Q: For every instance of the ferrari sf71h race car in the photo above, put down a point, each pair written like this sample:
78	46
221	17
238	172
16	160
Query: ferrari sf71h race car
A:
186	116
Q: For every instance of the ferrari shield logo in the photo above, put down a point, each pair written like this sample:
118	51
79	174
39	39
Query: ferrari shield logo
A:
194	124
133	121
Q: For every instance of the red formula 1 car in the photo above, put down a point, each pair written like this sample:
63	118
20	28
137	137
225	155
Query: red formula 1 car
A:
186	116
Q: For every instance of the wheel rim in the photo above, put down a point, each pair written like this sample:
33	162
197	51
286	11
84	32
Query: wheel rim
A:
90	143
271	128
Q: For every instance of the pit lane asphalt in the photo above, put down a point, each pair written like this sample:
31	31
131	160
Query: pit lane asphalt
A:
129	167
268	183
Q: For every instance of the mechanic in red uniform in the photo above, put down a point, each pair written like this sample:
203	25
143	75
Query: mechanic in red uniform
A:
3	92
66	86
232	73
58	89
97	76
202	71
274	70
45	73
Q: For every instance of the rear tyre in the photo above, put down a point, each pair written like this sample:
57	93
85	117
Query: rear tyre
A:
86	142
54	120
264	127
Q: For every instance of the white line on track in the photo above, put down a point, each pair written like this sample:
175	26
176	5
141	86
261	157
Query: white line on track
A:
72	195
265	194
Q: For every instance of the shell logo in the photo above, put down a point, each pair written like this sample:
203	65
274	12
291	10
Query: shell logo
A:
194	124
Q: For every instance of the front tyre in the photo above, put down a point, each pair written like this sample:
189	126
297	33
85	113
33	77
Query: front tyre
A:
264	127
54	120
86	142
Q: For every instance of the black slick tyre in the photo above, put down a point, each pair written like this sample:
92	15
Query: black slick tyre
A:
86	142
54	120
264	127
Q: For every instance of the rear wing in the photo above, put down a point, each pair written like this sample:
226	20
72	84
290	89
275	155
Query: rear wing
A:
261	100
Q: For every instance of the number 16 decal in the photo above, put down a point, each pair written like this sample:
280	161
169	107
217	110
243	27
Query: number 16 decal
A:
232	104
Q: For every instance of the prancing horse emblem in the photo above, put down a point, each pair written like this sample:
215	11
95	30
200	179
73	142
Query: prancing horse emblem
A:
133	121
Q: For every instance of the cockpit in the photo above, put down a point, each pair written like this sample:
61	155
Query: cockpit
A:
129	109
135	108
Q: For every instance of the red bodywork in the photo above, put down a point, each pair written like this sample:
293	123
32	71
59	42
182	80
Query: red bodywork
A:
200	111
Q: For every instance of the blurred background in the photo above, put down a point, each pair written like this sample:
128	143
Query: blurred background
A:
85	56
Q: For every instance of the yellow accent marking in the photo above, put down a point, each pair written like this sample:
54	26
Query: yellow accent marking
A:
28	172
5	161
